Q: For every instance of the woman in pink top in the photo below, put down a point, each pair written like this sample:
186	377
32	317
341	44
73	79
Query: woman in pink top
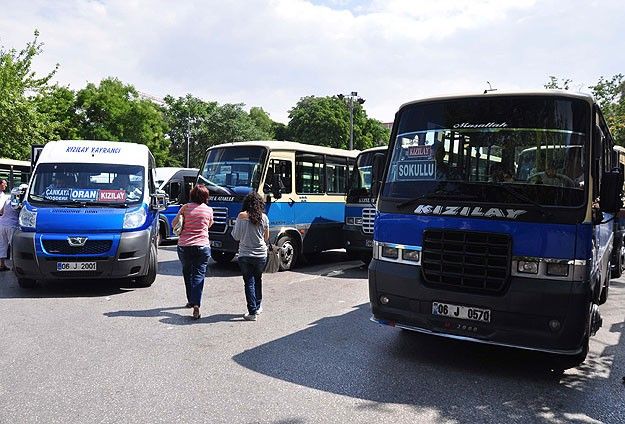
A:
193	245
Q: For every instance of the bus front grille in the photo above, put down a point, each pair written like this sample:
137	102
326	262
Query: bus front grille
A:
368	216
62	247
466	261
220	221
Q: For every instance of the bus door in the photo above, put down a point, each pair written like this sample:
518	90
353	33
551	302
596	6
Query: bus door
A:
280	209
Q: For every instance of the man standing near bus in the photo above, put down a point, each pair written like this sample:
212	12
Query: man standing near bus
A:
3	187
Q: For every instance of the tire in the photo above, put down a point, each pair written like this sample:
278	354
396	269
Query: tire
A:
222	257
148	279
617	269
352	255
161	234
289	253
562	363
605	288
27	283
366	258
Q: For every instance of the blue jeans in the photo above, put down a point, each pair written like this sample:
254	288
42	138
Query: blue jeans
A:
194	260
252	270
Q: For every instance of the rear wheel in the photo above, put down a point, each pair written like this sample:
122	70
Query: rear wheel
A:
619	259
222	257
603	297
148	279
27	283
288	252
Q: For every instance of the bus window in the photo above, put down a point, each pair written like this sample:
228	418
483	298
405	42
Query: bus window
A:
337	172
309	172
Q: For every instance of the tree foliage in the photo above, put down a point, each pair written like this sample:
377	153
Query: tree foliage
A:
115	111
22	123
325	121
207	124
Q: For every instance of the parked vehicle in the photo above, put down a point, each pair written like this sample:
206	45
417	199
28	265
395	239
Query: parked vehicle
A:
176	183
618	251
472	243
304	186
360	207
90	212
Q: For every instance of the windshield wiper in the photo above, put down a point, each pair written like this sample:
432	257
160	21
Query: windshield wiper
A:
520	196
438	195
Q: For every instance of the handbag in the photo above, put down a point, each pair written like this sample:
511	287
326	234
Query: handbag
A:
180	224
273	259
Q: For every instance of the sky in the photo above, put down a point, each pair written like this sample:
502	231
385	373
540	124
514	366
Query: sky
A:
271	53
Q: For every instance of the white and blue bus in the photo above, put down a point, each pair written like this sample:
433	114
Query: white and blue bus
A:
176	183
360	207
90	212
495	221
304	186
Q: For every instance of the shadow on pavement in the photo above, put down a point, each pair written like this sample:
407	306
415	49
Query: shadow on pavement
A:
171	318
9	289
351	356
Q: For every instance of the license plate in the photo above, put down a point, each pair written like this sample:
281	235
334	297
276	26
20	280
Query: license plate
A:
369	243
215	243
460	312
76	266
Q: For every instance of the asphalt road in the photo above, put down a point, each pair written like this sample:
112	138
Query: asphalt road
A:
85	352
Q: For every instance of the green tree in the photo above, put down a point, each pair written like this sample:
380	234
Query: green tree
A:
325	121
58	106
21	122
610	94
263	122
555	83
206	124
114	111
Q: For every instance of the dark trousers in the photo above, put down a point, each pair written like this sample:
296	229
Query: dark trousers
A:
252	270
194	260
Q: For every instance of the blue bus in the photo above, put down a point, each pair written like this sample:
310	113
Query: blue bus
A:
90	212
176	183
495	221
360	207
304	187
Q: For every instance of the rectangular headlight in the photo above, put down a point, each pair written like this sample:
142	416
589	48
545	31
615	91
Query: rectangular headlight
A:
358	221
559	270
390	252
350	220
411	255
528	267
232	221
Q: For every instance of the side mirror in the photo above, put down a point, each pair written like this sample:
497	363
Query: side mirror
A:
611	190
377	172
159	201
276	186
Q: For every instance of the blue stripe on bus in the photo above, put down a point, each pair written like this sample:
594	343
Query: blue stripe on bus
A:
528	238
285	213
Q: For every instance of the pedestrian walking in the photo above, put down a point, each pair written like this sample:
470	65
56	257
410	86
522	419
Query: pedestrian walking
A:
193	244
251	229
9	222
3	195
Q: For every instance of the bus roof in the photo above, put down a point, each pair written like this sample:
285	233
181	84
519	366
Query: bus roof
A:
291	146
529	93
95	151
377	149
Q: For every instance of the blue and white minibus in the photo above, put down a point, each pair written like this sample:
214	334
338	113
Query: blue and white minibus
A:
176	183
304	187
495	221
90	212
360	207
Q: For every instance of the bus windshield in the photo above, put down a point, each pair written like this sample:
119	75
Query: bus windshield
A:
92	183
360	181
501	150
227	168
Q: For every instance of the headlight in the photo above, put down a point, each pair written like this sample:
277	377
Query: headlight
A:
411	255
350	220
556	269
134	219
358	221
28	219
528	267
232	221
390	252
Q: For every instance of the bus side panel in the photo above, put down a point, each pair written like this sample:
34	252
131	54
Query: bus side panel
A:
321	218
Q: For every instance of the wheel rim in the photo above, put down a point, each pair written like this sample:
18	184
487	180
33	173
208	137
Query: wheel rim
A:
286	253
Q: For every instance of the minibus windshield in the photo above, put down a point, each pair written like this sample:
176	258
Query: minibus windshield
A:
87	183
496	150
227	168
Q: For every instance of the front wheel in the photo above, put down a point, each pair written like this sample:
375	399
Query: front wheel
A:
27	283
222	257
148	279
288	252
